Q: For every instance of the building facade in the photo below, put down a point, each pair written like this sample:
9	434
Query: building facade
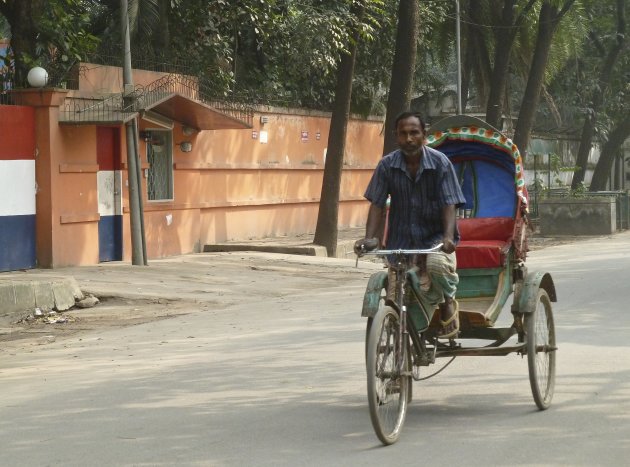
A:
210	172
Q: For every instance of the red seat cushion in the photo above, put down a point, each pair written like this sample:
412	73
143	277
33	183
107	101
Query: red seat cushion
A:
486	228
485	241
481	253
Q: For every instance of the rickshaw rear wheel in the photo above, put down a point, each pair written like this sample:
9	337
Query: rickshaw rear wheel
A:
387	383
541	350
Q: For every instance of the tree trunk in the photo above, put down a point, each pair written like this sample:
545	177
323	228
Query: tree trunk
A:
610	150
161	37
328	216
547	23
504	35
481	67
23	16
586	140
466	73
403	69
498	80
588	129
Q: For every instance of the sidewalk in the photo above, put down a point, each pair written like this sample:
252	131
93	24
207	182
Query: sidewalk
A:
39	291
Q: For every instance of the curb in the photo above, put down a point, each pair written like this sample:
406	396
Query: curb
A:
345	249
305	250
55	294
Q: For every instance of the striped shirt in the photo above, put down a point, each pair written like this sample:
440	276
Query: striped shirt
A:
415	219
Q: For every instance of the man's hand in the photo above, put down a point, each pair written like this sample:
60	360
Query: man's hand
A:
365	244
448	245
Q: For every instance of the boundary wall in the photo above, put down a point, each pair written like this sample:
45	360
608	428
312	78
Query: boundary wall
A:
262	182
233	185
17	188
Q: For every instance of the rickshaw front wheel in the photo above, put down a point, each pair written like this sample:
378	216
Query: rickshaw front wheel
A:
541	350
387	376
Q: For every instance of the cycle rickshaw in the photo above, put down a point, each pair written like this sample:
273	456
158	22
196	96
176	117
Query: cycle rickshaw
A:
402	331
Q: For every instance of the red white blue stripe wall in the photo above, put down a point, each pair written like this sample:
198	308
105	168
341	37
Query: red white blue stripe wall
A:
17	189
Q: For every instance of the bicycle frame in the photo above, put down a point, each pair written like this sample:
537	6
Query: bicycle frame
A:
401	267
423	356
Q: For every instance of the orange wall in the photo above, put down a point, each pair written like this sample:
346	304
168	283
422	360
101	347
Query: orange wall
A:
65	172
108	79
231	186
76	202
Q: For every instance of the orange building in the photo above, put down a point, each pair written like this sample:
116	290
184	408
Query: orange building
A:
211	171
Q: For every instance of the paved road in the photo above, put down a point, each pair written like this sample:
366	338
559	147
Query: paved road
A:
277	378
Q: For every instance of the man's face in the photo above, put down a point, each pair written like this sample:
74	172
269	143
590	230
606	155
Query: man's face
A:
410	136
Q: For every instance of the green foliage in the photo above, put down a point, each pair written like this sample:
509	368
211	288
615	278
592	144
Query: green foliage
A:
281	52
435	57
555	167
577	83
580	192
285	52
64	35
58	34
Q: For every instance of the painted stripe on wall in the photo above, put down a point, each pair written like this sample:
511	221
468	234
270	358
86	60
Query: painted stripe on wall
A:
17	242
108	148
17	187
110	238
18	132
109	186
109	199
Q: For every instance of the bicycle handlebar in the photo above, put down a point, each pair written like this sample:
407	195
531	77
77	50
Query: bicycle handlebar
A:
434	249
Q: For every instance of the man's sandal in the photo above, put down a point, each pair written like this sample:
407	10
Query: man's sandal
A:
454	317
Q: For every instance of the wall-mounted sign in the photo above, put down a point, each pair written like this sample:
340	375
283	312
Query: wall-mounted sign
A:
318	136
304	136
254	134
263	137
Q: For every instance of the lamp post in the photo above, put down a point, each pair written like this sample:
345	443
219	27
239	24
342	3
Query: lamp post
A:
459	60
138	242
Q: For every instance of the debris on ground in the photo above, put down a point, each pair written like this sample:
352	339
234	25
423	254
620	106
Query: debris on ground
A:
46	317
88	302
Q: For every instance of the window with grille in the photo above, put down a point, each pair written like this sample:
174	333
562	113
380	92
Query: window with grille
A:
160	157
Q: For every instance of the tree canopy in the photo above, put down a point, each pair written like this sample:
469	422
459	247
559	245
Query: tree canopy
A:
286	52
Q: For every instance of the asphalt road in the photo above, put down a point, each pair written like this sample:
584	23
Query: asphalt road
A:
276	377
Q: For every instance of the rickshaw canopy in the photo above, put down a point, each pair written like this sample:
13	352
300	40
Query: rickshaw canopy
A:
488	164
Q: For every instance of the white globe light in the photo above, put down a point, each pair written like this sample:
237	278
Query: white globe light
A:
37	77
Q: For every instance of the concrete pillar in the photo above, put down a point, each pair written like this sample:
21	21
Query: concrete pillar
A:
47	102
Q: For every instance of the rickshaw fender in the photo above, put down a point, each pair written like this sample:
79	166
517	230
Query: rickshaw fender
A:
376	283
529	290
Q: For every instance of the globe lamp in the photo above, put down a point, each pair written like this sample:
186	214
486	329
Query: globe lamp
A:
37	77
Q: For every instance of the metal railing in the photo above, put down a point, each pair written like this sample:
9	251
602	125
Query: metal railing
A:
622	202
110	108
